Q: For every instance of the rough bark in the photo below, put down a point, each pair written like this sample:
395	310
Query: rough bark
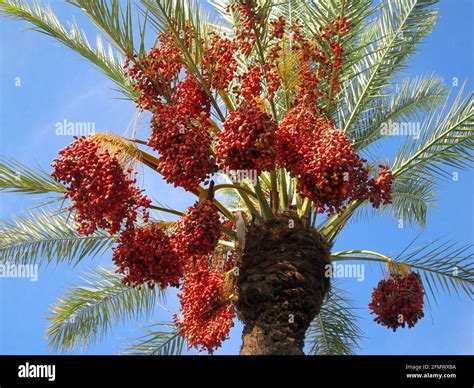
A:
281	285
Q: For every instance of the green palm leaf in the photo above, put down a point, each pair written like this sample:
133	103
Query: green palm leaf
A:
445	266
45	236
412	200
405	101
447	140
15	177
86	313
115	19
44	20
335	330
392	37
161	339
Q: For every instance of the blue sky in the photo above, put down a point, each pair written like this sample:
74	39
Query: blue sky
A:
57	85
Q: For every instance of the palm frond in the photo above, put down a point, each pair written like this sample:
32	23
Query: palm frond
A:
45	236
412	200
44	20
16	177
115	19
291	10
392	37
161	339
405	101
86	313
225	19
335	330
447	140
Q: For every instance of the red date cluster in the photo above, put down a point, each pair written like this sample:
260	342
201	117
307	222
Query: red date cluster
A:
181	109
251	83
155	74
321	61
206	311
180	133
278	28
198	230
299	127
149	255
398	301
251	17
191	100
219	63
145	255
380	189
248	140
329	171
333	172
248	21
102	193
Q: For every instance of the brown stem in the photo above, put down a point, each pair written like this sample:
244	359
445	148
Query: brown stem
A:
210	192
138	141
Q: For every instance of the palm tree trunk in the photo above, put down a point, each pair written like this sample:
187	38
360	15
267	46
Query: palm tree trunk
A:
281	285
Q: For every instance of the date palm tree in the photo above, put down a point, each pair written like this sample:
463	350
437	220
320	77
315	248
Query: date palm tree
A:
381	38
